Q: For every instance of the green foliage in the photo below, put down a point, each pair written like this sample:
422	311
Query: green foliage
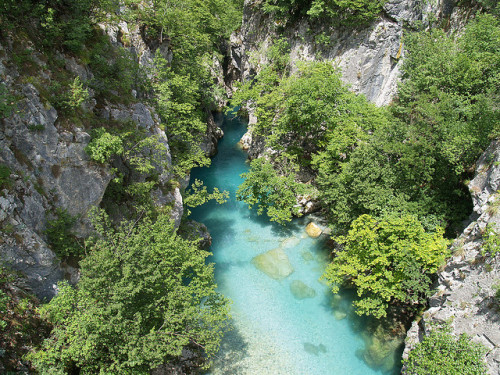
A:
5	180
198	195
145	153
69	99
116	73
346	12
339	12
184	85
415	161
104	145
179	105
453	83
308	110
491	241
4	300
388	261
442	353
21	328
59	235
6	102
63	23
312	116
272	188
144	295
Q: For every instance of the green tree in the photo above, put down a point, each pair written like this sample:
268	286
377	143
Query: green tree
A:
144	295
272	188
346	12
388	261
339	12
442	353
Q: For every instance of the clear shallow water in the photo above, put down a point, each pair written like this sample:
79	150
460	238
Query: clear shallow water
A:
274	332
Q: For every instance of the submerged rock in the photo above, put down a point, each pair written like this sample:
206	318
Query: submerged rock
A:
290	242
339	315
313	230
314	349
274	263
307	256
301	290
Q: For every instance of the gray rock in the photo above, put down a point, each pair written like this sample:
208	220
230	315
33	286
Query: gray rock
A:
58	174
466	290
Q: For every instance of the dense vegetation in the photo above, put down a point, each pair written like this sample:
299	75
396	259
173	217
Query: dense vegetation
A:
442	353
144	295
388	261
390	180
349	13
379	169
21	326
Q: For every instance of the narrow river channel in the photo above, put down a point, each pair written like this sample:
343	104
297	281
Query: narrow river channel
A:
291	324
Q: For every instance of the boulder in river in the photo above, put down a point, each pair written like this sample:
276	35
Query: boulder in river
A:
301	290
274	263
313	230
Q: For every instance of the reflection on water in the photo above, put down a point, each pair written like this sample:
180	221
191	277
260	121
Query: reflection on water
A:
285	319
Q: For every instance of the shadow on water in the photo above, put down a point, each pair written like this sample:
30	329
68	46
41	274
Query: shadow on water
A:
220	228
382	349
277	230
232	354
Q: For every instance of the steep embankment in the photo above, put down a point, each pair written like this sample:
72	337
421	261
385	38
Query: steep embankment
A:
43	148
465	296
369	58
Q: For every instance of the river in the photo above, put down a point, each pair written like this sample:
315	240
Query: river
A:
289	325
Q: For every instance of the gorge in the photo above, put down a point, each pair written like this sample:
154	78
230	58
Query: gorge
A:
376	120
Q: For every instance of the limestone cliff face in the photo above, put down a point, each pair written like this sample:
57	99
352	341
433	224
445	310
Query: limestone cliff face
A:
369	58
49	165
465	293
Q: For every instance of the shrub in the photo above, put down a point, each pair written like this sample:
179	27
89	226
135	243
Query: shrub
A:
388	261
144	295
442	353
59	235
5	180
104	145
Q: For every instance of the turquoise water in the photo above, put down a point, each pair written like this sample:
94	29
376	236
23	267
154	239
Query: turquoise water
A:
274	331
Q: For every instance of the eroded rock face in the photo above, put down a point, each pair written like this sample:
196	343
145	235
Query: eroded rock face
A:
369	58
50	169
465	293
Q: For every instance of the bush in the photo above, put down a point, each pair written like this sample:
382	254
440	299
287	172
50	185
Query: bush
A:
339	12
442	353
144	295
5	180
103	146
59	235
388	261
272	190
6	102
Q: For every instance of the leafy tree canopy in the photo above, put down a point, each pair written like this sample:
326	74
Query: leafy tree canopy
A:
388	261
340	12
272	188
144	295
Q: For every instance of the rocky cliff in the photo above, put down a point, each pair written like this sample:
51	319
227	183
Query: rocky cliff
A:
44	151
465	296
368	57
